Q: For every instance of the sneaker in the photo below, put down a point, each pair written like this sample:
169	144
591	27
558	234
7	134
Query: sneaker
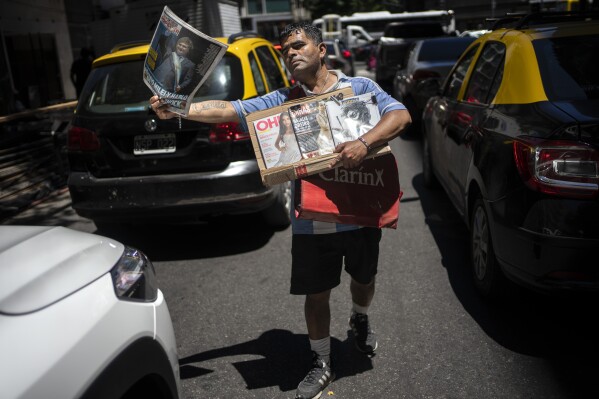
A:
363	336
317	379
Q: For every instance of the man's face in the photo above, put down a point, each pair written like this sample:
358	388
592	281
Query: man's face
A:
182	49
302	56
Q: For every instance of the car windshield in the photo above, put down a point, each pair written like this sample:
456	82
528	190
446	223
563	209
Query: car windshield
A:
119	88
567	66
443	50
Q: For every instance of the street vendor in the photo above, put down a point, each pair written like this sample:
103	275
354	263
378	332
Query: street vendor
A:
320	250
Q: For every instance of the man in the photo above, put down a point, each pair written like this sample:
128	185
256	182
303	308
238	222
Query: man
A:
320	249
80	69
175	73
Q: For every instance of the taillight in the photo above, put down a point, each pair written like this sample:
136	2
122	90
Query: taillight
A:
81	139
226	132
424	74
558	167
346	54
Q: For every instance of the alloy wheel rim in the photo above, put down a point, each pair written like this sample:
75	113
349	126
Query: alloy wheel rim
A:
480	243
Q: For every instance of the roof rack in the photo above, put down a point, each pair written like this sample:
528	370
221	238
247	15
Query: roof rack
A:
521	20
242	35
126	45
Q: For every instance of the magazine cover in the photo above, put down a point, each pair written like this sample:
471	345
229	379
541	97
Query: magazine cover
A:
179	60
311	126
352	117
278	144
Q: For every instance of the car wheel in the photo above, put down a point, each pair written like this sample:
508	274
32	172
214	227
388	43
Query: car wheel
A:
488	278
430	180
278	214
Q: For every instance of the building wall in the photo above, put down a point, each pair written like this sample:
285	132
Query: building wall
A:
31	27
137	21
268	17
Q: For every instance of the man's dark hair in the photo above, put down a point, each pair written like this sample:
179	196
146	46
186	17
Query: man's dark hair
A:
313	32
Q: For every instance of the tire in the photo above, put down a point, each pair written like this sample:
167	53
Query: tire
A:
278	214
488	278
430	180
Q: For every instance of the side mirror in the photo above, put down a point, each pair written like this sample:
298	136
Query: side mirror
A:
430	86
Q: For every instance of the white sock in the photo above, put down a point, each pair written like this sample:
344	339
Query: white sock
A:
359	309
322	347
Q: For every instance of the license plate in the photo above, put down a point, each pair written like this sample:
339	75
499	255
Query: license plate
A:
154	144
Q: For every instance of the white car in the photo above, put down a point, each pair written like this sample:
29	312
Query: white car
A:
81	317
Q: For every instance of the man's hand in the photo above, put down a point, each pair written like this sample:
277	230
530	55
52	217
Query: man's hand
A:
160	108
350	154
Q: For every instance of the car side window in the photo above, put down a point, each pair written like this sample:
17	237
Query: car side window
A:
488	69
260	86
455	80
271	69
285	70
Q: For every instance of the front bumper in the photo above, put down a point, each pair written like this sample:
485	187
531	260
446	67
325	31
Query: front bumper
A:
236	189
78	340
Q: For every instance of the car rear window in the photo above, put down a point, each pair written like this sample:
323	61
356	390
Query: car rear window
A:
568	67
443	50
119	88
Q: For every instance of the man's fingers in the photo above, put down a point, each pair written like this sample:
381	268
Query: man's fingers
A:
335	161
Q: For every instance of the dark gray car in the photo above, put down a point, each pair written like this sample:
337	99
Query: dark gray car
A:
394	43
426	59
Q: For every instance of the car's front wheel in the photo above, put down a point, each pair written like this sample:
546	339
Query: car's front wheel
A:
278	214
488	277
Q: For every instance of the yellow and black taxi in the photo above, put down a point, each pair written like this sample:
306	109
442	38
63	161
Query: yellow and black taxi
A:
513	138
127	165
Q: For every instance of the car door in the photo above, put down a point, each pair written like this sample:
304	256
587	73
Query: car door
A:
466	126
442	109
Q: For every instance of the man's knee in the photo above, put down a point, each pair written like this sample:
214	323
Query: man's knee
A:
321	297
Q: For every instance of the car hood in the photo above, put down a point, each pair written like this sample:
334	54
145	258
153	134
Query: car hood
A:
42	265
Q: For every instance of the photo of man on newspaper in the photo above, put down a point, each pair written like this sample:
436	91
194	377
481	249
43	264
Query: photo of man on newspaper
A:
179	60
176	72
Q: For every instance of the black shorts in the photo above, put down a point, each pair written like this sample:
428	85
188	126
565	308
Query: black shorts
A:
317	259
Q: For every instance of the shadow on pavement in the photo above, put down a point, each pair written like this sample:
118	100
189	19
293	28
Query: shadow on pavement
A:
285	359
220	236
227	235
562	330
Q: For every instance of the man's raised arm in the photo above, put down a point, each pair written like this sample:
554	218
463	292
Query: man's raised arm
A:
206	111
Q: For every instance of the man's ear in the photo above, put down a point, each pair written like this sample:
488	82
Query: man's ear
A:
322	49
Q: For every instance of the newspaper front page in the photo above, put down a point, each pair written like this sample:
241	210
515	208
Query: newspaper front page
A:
179	60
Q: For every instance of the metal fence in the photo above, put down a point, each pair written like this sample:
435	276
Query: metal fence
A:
33	161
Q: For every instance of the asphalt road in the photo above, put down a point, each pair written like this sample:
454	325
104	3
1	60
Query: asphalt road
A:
242	335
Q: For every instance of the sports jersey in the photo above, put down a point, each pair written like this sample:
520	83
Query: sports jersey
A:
359	85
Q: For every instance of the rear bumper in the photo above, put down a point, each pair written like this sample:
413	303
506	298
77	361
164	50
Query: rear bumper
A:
236	189
541	254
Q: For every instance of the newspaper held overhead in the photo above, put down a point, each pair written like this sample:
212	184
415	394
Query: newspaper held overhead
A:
179	60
